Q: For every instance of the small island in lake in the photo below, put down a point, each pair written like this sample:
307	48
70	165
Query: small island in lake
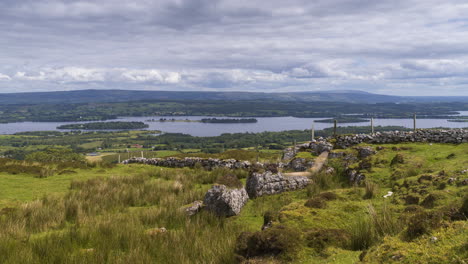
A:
105	125
229	120
343	120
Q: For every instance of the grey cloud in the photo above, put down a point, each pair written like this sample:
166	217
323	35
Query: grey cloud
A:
383	46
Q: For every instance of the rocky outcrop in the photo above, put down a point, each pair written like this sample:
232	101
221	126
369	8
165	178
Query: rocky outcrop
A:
365	152
267	183
223	201
454	136
193	208
320	146
354	177
192	162
299	164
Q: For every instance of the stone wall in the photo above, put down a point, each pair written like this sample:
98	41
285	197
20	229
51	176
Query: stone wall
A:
267	183
454	136
192	162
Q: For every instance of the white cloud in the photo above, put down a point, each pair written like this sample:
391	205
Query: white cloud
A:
4	77
151	76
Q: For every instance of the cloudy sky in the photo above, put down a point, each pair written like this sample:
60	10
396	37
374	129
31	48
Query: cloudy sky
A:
399	47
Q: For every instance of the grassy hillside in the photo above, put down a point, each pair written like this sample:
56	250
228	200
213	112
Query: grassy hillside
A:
115	214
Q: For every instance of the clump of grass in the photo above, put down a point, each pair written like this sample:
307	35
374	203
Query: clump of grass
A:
421	223
279	241
230	180
369	229
397	159
316	202
362	233
371	190
319	239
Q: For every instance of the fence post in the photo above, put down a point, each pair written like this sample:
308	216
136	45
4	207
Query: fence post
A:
142	154
372	125
256	149
334	127
313	130
414	122
294	146
119	158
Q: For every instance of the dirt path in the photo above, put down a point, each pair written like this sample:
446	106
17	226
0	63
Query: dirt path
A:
318	165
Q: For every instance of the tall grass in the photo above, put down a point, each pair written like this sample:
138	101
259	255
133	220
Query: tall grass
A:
107	220
369	229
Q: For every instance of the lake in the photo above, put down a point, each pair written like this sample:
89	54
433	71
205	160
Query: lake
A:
210	129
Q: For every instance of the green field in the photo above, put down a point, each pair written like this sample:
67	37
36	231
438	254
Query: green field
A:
112	214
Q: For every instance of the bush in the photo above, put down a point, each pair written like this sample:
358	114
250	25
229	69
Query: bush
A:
275	241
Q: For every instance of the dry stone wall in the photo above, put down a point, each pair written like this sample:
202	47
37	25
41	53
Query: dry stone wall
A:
192	162
454	136
267	183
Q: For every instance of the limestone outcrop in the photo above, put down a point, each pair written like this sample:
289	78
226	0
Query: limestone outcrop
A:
223	201
259	184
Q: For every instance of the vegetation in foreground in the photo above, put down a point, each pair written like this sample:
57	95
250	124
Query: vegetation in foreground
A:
122	214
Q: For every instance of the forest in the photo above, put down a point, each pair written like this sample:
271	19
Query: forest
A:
245	108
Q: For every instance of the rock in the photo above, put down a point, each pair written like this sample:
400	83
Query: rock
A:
225	202
320	146
194	208
389	193
259	184
288	154
365	152
155	231
354	177
300	164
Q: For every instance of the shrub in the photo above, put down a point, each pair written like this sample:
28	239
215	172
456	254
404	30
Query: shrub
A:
275	241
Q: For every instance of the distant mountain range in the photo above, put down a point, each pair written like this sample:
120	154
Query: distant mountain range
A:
101	96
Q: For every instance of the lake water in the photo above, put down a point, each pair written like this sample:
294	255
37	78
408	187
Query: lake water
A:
263	124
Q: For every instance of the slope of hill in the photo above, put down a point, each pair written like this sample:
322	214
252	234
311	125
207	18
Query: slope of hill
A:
100	96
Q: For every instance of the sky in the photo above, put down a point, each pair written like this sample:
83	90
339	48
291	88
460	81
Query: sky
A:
398	47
